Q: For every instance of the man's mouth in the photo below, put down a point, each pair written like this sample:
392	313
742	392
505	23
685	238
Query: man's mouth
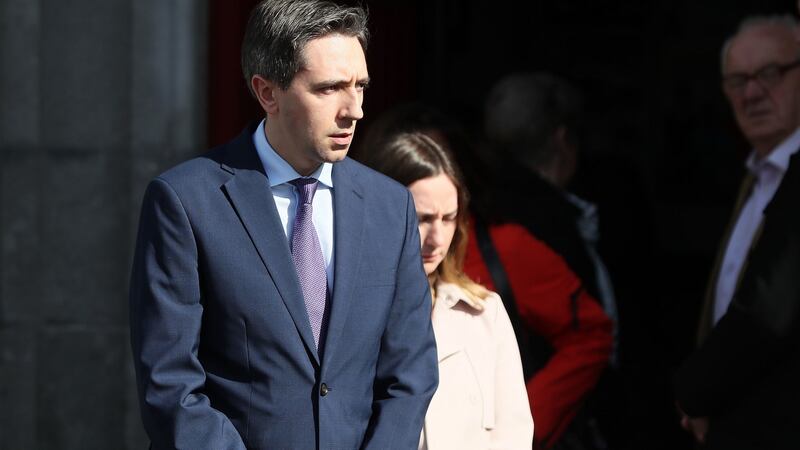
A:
342	138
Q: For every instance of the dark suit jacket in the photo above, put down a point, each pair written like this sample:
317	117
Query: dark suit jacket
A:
222	345
746	375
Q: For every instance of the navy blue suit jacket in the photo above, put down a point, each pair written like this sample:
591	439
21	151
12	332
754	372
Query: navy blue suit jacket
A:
222	345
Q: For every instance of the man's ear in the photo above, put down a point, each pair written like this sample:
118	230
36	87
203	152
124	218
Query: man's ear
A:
567	155
564	141
264	90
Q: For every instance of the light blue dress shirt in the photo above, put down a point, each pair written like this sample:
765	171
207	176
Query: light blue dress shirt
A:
280	174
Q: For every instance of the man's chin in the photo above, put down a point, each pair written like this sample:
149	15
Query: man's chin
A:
336	154
766	134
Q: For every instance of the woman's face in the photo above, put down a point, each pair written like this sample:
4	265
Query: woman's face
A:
436	200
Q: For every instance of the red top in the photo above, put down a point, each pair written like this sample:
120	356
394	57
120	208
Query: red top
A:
542	284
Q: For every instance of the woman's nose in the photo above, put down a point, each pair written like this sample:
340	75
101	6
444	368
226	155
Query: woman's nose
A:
434	238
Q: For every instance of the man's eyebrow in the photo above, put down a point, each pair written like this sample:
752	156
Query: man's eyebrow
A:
339	82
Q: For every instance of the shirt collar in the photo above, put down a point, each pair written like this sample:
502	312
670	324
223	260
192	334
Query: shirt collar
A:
777	158
278	170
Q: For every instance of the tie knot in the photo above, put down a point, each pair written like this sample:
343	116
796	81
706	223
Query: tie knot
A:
306	186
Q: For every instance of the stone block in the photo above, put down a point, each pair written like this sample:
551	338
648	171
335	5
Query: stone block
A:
85	67
81	397
85	238
168	76
20	220
19	80
18	387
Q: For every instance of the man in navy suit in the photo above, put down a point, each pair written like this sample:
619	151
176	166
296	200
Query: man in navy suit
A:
277	296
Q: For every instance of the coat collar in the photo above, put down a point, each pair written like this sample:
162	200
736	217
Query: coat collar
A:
451	309
450	295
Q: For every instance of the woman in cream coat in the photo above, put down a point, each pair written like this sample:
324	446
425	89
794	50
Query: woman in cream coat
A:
481	402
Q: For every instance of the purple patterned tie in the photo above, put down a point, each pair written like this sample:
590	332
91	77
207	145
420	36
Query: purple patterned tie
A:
308	260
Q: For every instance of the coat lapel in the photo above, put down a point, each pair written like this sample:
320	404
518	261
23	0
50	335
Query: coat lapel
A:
249	192
348	223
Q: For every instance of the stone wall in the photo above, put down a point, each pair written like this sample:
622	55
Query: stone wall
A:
96	97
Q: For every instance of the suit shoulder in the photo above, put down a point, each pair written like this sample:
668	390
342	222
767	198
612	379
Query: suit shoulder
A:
196	166
373	180
196	171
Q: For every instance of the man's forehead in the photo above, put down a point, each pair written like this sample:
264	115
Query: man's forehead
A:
763	42
325	48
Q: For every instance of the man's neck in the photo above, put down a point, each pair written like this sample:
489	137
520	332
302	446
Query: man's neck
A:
762	151
764	148
273	137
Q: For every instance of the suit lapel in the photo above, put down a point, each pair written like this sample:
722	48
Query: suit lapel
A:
348	223
706	314
249	192
707	310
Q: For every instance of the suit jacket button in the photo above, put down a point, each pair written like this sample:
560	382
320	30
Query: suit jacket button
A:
323	390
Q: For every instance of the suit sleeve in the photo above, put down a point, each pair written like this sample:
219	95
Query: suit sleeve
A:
759	332
407	372
513	427
165	318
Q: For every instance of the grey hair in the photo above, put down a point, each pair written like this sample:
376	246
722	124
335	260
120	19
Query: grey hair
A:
782	20
523	112
278	30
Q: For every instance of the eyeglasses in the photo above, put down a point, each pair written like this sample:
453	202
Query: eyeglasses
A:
768	76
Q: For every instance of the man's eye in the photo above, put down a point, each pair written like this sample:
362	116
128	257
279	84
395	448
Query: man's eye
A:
769	73
361	87
736	81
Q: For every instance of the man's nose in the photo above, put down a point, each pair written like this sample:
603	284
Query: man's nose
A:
753	89
351	108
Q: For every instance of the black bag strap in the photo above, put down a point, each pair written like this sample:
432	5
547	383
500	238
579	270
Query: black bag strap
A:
503	288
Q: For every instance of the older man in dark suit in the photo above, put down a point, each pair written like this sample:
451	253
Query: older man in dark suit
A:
740	390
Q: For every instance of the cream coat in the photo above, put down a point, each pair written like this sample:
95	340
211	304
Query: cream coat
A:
481	402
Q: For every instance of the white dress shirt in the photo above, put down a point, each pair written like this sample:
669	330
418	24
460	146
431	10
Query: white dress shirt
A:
280	174
768	173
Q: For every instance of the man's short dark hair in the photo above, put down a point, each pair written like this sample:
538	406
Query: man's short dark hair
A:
523	112
278	30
